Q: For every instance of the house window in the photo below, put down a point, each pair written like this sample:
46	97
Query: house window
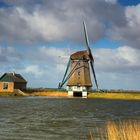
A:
5	85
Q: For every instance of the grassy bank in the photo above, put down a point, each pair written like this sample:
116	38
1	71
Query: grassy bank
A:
46	92
6	94
49	93
124	96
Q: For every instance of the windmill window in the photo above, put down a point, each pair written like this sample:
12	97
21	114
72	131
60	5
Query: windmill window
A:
5	85
78	73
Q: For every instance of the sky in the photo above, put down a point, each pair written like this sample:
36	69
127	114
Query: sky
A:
37	38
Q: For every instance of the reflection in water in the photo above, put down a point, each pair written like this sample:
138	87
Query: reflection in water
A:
42	118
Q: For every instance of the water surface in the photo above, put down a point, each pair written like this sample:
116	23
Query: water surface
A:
43	118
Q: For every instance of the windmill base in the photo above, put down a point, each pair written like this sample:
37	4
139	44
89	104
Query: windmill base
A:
75	91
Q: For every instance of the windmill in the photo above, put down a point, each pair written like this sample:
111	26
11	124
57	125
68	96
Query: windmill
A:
77	74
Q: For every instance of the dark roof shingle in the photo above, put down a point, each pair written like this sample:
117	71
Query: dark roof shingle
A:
12	77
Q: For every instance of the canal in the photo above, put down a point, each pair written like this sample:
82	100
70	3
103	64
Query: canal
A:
44	118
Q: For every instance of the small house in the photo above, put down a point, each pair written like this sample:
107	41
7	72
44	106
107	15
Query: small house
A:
11	81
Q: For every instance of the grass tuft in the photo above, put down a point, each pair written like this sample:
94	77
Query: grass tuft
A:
118	130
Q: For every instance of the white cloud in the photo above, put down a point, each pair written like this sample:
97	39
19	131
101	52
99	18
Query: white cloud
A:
130	55
52	52
130	33
118	68
53	21
117	60
133	15
41	24
111	1
9	54
33	69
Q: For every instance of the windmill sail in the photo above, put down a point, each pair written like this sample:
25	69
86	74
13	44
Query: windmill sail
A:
90	54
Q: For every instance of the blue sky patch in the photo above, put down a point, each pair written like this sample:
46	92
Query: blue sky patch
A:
106	43
4	5
129	2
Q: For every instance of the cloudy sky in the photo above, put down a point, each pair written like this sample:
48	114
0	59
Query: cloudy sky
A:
38	36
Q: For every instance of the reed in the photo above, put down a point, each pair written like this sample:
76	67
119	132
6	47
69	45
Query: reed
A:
123	96
118	130
123	130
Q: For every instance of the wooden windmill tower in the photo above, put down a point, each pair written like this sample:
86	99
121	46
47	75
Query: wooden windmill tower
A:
77	74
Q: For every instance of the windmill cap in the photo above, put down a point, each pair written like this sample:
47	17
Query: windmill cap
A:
80	55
